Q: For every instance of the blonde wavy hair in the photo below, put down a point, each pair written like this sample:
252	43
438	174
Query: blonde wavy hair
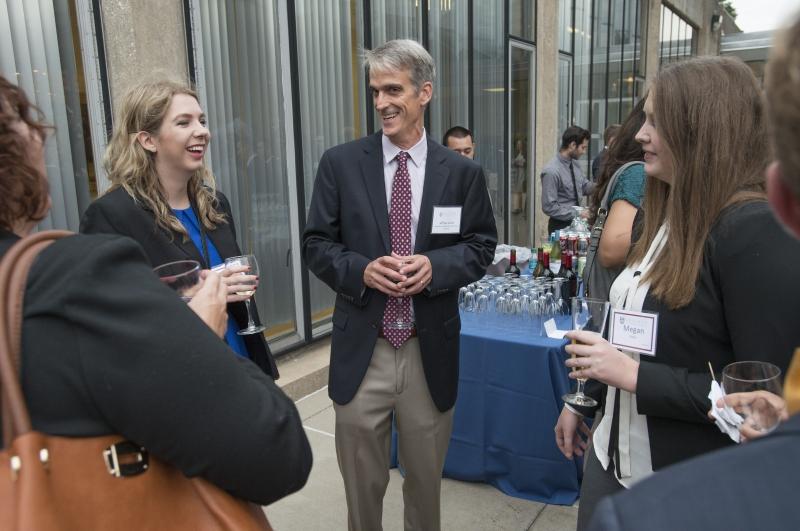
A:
133	168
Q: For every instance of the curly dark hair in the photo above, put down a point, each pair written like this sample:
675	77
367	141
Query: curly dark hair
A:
23	190
624	149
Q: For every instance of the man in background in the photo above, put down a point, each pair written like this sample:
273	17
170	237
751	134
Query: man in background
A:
460	140
753	485
563	182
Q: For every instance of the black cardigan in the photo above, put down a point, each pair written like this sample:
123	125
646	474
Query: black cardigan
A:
117	213
108	349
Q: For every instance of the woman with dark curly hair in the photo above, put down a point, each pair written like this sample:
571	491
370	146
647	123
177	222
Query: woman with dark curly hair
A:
109	349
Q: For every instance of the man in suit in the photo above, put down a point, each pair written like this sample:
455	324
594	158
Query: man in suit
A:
397	224
753	485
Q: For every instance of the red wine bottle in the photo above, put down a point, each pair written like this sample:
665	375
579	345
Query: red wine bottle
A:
569	288
548	273
512	270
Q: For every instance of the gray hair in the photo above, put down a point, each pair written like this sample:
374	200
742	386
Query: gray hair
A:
402	54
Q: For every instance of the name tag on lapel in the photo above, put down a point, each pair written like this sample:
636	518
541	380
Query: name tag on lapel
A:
635	331
446	220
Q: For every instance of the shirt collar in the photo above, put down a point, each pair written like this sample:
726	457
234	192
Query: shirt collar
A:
564	160
418	152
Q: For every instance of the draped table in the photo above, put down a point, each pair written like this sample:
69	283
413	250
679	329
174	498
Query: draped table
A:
509	397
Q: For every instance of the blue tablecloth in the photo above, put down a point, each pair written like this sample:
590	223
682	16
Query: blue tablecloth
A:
509	397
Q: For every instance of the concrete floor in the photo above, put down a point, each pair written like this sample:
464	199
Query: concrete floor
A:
320	505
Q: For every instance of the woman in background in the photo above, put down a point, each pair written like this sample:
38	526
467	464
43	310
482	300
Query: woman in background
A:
707	229
164	197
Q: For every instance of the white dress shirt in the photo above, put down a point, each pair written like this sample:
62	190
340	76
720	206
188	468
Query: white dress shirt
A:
417	157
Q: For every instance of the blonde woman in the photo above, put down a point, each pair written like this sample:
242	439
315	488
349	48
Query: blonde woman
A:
164	197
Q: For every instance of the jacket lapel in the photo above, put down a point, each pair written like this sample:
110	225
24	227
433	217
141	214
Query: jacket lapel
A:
436	175
372	173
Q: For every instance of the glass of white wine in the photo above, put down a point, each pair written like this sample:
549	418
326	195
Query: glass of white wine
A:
591	315
251	263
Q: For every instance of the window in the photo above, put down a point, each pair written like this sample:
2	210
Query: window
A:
676	37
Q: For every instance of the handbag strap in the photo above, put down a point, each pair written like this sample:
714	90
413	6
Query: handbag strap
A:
600	220
14	269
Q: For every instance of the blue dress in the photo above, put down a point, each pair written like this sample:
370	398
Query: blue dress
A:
189	220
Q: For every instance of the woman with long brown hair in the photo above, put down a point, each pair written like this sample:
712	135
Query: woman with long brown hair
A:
708	235
163	196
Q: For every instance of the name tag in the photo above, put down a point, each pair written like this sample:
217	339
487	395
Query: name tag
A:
446	220
636	331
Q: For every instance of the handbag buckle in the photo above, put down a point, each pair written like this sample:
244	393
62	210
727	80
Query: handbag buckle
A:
131	466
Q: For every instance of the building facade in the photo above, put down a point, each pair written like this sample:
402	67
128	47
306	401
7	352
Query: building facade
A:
281	81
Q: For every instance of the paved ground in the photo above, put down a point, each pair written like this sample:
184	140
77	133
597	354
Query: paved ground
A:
465	506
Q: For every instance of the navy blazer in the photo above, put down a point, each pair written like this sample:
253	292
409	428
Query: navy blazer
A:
348	227
747	487
117	213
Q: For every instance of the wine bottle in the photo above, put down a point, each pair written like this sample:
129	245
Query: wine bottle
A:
555	255
548	273
569	288
512	270
539	269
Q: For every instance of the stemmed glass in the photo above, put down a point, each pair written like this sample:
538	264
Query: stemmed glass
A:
182	276
251	263
591	315
752	376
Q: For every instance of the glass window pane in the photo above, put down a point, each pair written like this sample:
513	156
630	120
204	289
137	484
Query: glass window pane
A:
489	101
565	28
522	74
39	56
242	69
393	19
449	46
522	17
329	35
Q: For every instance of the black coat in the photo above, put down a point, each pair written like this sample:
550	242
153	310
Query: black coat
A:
117	213
108	349
348	227
748	487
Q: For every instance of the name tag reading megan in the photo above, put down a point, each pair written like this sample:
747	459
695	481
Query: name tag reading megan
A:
446	220
635	331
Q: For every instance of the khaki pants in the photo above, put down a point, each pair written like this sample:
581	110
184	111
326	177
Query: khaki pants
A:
394	382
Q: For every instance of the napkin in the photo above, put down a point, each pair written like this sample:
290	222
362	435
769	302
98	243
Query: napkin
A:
727	420
551	329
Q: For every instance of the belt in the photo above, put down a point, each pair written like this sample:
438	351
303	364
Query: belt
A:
381	334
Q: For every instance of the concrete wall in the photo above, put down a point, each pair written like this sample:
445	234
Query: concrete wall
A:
546	125
145	41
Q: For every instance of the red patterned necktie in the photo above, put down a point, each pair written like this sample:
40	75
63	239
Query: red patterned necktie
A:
398	309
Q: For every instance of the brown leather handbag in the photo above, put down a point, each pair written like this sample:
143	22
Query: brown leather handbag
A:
92	483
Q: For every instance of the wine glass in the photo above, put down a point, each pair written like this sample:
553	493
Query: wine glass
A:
591	315
182	276
750	376
250	261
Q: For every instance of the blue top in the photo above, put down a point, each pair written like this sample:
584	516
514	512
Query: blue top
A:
189	220
629	186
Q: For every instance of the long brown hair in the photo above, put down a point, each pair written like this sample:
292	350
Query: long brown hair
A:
708	113
624	149
133	168
23	189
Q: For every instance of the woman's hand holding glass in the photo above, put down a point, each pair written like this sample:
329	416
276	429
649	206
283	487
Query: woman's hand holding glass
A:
596	359
209	302
753	389
239	283
244	281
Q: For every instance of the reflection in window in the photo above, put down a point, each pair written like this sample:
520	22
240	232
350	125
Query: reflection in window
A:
44	64
331	98
489	101
242	80
522	86
522	18
676	37
449	46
